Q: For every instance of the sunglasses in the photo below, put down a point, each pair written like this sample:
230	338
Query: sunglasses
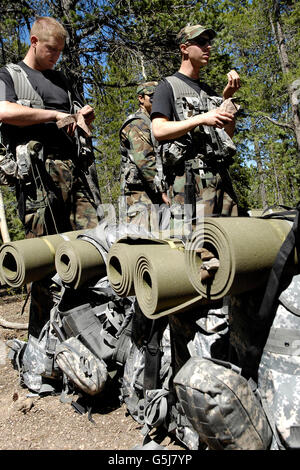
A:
202	41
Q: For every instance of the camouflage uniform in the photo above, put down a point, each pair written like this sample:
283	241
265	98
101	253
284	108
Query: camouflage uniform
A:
59	192
209	175
138	165
67	206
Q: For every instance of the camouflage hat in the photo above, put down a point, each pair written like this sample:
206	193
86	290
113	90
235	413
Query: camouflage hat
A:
192	32
146	88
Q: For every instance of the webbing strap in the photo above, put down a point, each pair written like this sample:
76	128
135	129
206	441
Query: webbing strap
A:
23	88
156	409
153	354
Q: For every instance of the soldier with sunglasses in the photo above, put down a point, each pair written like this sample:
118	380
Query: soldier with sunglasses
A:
194	132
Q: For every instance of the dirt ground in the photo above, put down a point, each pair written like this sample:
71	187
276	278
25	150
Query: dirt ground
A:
46	423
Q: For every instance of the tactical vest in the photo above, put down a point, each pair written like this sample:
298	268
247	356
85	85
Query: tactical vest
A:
212	146
27	96
130	176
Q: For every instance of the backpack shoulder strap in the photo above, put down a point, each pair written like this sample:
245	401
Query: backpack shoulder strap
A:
180	89
25	92
133	117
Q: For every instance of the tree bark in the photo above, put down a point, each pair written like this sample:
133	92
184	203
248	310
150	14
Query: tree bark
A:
274	18
3	224
262	188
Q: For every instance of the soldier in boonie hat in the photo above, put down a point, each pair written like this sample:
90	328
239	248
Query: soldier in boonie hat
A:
183	97
146	88
138	161
191	32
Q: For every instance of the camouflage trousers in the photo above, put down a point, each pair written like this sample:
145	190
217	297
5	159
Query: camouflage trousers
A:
140	210
214	193
58	201
67	206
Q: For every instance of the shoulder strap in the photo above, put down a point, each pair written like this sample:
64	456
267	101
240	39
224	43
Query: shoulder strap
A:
133	117
182	90
25	92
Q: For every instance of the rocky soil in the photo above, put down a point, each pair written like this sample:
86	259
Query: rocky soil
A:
33	423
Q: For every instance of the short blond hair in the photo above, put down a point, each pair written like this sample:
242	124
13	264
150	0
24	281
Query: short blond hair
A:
46	26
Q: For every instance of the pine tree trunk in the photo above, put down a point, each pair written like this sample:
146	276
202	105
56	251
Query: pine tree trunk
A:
262	187
285	67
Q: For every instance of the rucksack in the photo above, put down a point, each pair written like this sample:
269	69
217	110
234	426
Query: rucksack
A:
221	405
35	360
79	348
278	373
265	335
158	406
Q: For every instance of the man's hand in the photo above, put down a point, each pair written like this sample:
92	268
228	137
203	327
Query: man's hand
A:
234	83
59	115
88	113
83	119
216	118
165	199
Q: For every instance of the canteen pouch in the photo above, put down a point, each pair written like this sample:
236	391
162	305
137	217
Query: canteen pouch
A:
8	167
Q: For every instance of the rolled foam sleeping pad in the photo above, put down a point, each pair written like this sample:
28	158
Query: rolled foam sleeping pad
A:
161	283
78	261
121	262
246	248
31	259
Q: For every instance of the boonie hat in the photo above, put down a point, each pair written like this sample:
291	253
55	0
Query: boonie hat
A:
146	88
192	32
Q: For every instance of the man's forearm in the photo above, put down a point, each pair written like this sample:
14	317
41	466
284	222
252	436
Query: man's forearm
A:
163	129
169	130
22	116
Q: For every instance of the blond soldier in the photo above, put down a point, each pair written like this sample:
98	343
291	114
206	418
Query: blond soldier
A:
56	185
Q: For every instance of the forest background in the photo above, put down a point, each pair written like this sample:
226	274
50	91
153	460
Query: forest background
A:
114	45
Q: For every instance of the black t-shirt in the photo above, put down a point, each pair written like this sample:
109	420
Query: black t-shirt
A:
163	100
52	87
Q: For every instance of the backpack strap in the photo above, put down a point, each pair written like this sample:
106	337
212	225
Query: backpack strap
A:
27	96
180	89
133	117
153	354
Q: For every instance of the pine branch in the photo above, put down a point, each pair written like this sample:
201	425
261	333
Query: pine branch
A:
283	125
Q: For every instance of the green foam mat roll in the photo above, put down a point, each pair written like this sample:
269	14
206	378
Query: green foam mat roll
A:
79	261
245	247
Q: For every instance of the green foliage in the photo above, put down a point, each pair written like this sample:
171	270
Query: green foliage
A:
115	44
14	225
